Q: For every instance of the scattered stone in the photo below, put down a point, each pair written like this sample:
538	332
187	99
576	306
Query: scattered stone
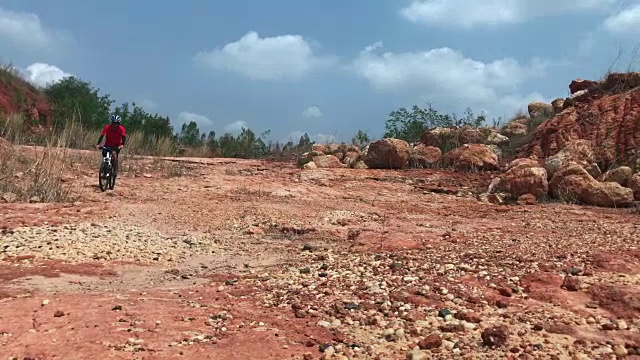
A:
496	336
430	342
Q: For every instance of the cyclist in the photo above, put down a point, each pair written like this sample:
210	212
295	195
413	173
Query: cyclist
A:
115	136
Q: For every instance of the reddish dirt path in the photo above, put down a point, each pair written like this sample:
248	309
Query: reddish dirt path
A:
249	221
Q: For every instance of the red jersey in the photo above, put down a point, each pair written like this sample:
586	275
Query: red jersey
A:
113	135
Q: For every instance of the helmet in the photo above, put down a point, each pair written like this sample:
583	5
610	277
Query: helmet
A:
115	118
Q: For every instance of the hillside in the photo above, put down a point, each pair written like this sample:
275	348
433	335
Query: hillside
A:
17	96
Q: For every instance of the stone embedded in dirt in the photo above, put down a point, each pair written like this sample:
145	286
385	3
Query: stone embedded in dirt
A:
430	342
387	153
310	166
620	175
417	355
469	316
58	313
505	291
327	162
502	304
308	247
117	308
472	157
495	336
572	183
444	313
527	199
571	283
452	328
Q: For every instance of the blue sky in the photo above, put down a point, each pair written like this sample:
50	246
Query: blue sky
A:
326	67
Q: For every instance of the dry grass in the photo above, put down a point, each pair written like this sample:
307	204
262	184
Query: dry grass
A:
37	177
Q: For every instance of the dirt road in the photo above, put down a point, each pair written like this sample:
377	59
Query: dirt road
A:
240	259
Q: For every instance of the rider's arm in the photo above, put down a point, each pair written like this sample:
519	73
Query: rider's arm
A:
102	134
124	134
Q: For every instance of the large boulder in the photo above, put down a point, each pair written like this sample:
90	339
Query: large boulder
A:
387	153
573	183
634	184
523	163
580	85
495	138
350	158
472	157
452	137
540	110
558	105
326	162
522	179
579	151
425	156
620	175
516	128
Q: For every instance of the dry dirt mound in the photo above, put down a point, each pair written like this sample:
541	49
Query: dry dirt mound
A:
19	97
606	114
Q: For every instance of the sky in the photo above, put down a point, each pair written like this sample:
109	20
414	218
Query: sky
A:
326	67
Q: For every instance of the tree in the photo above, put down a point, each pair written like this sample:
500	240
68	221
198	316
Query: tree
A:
75	100
361	139
190	134
410	125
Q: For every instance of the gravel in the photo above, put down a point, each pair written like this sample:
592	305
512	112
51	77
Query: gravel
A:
110	241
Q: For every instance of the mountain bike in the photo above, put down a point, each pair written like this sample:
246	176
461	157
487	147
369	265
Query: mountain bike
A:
107	173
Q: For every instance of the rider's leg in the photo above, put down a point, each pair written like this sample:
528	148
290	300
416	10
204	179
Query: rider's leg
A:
114	155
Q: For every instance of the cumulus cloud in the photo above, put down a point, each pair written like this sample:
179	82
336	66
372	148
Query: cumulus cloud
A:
312	112
468	14
148	104
26	30
203	122
236	126
42	74
624	22
283	57
445	74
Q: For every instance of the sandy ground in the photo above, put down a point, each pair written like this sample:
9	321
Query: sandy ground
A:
241	259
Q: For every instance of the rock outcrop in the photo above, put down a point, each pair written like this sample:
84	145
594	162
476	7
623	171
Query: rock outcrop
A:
387	154
572	183
606	114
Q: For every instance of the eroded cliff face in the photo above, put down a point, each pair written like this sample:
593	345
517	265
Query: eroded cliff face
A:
607	114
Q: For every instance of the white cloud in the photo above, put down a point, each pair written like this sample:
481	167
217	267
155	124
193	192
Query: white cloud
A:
468	14
26	30
312	112
204	123
42	74
283	57
318	137
446	75
236	126
624	22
